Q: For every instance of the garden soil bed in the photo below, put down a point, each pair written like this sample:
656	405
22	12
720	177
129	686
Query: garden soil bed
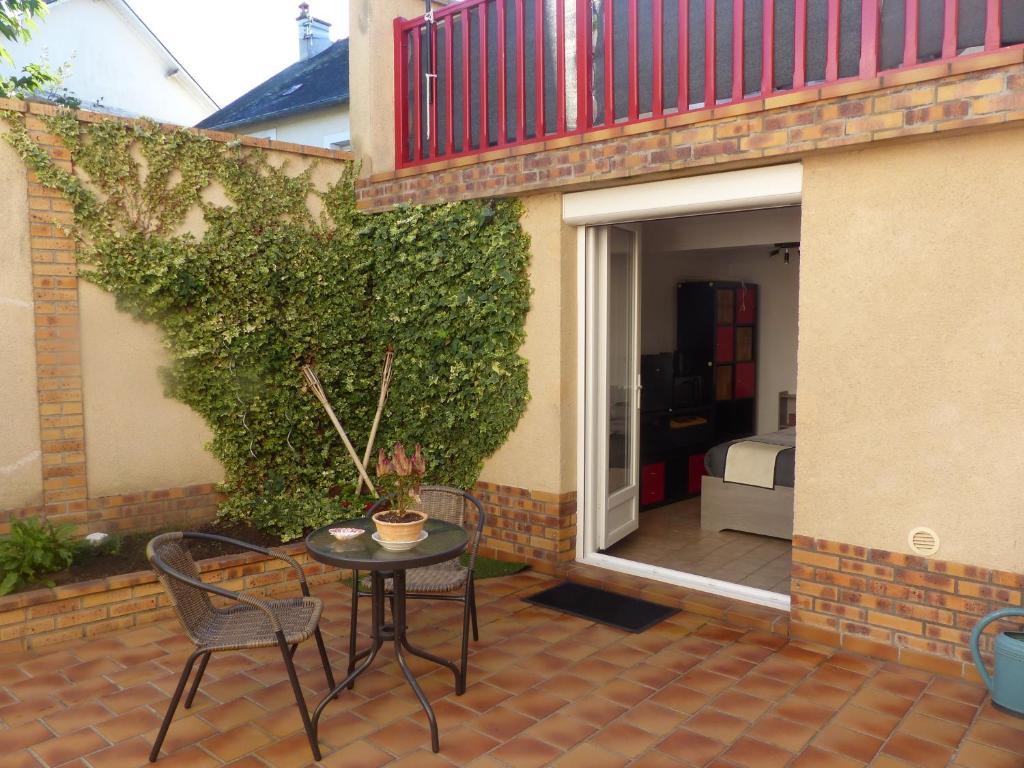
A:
131	556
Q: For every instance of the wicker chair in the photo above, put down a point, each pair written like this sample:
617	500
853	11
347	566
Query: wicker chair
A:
252	622
436	582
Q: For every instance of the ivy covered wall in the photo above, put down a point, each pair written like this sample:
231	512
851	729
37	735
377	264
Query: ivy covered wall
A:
280	272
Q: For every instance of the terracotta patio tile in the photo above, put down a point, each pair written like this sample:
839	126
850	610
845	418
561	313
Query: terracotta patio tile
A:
801	654
502	723
623	655
76	718
624	739
131	723
690	746
823	694
705	681
388	707
226	716
655	759
763	686
730	666
946	709
515	679
184	732
849	743
717	725
44	663
741	705
130	698
289	752
917	751
653	718
461	745
38	684
526	752
482	697
65	748
975	755
812	757
536	703
995	735
719	633
751	753
880	701
336	730
92	668
590	756
932	729
24	736
624	692
804	710
235	743
680	698
249	761
869	721
898	684
401	736
594	710
957	690
562	731
21	759
851	661
838	677
358	754
568	685
596	670
125	754
651	675
27	710
784	670
784	733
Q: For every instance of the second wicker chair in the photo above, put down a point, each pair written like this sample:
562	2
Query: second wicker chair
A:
449	580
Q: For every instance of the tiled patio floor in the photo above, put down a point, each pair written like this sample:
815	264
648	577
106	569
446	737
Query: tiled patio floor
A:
545	689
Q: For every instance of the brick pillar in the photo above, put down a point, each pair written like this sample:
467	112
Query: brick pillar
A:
58	347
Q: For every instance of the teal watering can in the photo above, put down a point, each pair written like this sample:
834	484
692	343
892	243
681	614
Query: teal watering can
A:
1007	686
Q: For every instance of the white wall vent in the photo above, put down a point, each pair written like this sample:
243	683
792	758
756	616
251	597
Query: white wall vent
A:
923	541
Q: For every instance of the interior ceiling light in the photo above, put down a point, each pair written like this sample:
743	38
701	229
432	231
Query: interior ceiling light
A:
785	249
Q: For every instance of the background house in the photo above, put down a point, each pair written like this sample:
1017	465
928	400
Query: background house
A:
118	65
306	103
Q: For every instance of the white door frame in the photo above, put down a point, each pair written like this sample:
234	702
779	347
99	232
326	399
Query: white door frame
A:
768	187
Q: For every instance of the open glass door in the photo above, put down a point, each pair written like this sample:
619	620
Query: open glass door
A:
613	435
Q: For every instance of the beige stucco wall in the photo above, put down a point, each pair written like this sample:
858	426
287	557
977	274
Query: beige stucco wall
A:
21	482
135	438
910	359
541	453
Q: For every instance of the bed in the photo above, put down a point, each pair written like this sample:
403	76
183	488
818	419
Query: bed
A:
749	508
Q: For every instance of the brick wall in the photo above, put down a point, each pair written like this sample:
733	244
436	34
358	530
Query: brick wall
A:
971	92
185	507
528	526
915	610
35	619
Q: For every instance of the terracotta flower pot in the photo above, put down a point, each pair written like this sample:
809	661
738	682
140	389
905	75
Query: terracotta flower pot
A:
406	531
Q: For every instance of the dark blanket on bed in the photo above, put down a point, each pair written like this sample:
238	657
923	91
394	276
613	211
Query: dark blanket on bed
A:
714	459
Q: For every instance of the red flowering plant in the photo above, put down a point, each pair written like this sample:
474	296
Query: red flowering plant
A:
400	476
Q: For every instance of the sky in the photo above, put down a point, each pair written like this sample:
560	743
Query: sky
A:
230	46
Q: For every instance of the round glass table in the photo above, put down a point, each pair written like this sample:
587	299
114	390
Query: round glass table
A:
444	541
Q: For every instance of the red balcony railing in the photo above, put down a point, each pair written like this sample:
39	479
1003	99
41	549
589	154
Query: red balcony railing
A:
488	74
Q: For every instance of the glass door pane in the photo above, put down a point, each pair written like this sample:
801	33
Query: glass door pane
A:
621	384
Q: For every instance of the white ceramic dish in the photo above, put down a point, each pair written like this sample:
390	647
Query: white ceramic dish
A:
398	546
344	534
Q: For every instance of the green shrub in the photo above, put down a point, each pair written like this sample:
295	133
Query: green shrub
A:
269	285
33	549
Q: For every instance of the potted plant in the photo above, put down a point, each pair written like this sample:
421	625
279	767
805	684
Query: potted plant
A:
400	476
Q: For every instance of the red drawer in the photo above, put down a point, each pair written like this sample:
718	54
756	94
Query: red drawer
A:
745	377
652	483
746	306
696	472
725	343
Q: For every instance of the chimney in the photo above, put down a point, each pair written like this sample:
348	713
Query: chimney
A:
314	34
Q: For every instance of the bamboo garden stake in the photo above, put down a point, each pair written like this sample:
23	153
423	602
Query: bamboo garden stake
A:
317	389
385	387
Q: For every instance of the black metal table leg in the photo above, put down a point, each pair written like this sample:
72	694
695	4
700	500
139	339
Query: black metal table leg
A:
377	638
398	615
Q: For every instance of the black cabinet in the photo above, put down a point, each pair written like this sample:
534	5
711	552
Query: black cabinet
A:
704	393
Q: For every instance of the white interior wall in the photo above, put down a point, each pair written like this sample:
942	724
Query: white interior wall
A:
662	268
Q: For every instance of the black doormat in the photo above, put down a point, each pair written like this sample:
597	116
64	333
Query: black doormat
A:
626	613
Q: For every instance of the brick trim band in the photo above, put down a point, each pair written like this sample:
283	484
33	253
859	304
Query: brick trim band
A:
914	610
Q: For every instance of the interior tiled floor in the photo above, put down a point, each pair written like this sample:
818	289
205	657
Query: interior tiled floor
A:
671	537
545	689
